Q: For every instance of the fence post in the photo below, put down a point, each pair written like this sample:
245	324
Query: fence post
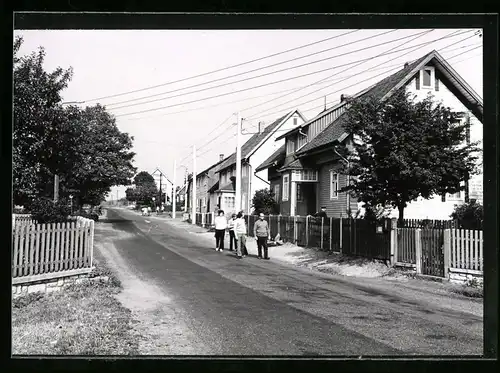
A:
203	218
331	221
279	222
340	241
295	229
91	248
307	230
322	222
418	250
447	252
394	241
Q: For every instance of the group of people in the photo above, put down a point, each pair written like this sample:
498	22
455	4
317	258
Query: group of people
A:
146	211
238	234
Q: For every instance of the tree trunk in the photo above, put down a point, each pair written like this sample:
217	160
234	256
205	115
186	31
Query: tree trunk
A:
401	209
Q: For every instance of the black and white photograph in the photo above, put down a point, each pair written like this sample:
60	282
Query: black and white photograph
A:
248	192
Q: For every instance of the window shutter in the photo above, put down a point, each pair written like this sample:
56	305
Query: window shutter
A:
436	80
417	81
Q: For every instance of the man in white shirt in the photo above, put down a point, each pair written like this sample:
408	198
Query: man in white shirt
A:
220	230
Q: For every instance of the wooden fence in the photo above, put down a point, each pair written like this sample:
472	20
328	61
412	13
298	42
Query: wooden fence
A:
466	249
49	249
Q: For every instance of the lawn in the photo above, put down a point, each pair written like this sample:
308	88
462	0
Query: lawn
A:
82	319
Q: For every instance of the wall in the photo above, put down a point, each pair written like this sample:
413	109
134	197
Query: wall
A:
335	207
266	150
49	286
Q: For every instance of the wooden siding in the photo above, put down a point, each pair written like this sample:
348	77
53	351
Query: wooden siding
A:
335	207
301	141
324	121
290	144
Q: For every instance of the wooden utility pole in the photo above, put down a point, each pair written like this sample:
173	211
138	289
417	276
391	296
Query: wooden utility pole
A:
193	206
237	199
174	198
56	188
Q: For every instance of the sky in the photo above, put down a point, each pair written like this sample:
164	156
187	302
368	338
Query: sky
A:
149	79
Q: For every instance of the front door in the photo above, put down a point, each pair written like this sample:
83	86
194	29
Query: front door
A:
306	199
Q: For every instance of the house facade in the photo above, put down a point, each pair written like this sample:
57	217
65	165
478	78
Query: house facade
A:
205	181
307	167
255	150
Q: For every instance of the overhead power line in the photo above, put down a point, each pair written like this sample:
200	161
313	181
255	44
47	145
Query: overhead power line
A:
350	67
222	69
267	84
246	72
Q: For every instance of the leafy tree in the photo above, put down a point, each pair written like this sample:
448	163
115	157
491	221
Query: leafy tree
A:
37	110
405	149
83	146
263	201
144	191
469	215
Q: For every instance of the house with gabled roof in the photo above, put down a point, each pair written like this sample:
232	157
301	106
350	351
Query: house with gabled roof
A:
253	152
205	181
307	168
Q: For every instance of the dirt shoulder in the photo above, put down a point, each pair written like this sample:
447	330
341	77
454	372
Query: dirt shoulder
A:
157	323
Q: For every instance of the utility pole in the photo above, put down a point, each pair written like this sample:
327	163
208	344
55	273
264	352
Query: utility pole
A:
117	196
160	199
174	199
193	205
186	191
237	200
56	188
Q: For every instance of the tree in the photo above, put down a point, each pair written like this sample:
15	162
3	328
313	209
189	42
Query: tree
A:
403	149
144	191
263	202
469	215
37	110
83	146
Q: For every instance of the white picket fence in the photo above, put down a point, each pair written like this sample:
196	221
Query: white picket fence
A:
44	251
466	249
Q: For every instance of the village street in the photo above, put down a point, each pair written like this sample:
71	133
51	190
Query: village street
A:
222	306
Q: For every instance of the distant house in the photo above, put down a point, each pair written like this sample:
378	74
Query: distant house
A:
306	168
255	150
205	181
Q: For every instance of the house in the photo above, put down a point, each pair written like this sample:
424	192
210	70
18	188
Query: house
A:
306	168
205	181
255	150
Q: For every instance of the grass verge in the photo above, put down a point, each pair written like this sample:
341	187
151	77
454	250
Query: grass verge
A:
81	319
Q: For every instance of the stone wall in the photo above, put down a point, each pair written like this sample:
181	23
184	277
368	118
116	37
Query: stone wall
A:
463	278
48	286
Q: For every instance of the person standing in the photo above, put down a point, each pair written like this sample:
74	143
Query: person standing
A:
322	213
262	234
232	234
220	230
240	229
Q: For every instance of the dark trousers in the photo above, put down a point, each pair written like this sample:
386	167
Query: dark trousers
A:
262	243
232	239
219	238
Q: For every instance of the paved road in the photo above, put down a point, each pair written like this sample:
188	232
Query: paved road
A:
253	307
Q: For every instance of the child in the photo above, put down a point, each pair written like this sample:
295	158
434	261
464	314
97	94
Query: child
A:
220	230
232	234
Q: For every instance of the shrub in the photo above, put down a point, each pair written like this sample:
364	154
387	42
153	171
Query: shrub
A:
263	201
469	215
44	211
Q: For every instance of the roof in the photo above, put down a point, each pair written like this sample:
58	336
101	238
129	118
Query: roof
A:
229	187
387	86
295	164
214	187
275	157
199	174
253	142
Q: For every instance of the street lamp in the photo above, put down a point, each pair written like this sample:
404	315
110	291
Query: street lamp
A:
71	199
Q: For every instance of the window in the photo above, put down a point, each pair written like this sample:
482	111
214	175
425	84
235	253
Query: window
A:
229	202
334	185
290	145
295	121
426	78
204	201
299	193
277	193
244	171
285	187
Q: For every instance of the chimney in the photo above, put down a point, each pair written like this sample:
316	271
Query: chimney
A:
343	97
221	157
406	65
